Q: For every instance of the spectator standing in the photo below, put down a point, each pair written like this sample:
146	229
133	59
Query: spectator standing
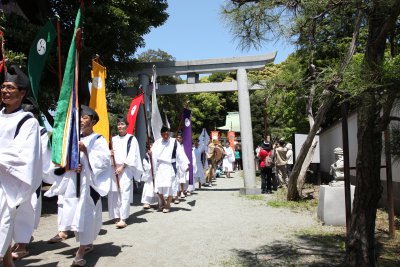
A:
281	161
289	156
237	159
266	156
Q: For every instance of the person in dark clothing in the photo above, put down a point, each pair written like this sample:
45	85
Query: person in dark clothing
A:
266	157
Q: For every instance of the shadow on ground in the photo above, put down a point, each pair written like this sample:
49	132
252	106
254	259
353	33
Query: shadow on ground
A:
305	250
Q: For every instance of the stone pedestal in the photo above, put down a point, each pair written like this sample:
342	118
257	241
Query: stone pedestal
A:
331	205
250	191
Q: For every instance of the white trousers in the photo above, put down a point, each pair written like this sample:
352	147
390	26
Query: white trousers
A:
7	217
27	219
119	202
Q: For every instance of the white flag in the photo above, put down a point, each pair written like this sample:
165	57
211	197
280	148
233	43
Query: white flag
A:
204	138
156	121
166	121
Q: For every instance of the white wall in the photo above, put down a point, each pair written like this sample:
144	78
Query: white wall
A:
332	138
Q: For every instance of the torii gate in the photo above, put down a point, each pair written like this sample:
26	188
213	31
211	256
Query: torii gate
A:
192	68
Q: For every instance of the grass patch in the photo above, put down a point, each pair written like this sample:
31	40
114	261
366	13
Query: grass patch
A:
332	237
279	201
388	249
254	197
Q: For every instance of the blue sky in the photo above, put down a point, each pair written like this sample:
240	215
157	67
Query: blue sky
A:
196	30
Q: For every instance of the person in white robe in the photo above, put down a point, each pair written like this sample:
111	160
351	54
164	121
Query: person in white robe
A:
179	184
191	187
60	182
199	175
83	214
167	157
24	225
128	166
20	156
229	158
149	197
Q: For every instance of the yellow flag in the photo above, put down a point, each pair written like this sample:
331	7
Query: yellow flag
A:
98	100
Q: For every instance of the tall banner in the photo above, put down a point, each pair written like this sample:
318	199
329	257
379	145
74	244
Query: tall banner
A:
231	139
214	135
132	113
38	53
98	100
156	121
187	140
65	151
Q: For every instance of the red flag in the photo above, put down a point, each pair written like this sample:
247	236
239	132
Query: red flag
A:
133	111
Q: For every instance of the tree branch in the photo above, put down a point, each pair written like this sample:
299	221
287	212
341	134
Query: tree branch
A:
389	24
354	39
385	119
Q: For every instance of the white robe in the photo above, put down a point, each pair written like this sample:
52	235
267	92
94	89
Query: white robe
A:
148	194
199	175
227	163
20	169
162	160
82	214
119	201
191	187
181	175
24	224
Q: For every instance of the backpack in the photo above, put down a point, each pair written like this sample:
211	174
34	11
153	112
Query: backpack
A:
268	161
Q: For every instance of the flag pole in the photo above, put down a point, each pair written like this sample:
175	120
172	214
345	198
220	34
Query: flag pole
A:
59	52
114	164
79	44
147	134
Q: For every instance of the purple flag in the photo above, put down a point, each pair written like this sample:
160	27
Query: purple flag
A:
187	140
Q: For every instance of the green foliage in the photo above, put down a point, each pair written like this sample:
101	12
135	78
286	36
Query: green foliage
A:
112	29
286	101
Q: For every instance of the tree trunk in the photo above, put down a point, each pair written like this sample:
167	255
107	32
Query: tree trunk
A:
361	239
328	97
307	161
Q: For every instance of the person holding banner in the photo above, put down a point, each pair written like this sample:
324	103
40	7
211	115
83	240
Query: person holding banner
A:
128	166
20	156
182	180
82	208
167	157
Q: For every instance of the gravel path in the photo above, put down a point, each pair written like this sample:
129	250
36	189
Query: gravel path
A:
213	227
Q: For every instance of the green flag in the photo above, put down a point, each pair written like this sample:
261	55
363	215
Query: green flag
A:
38	54
65	150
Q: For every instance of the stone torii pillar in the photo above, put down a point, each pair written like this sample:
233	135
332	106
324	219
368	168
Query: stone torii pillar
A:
246	135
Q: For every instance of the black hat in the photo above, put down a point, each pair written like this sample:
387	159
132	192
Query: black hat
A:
30	105
15	75
164	129
85	110
266	145
121	118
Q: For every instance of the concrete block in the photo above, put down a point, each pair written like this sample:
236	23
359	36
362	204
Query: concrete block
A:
331	204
